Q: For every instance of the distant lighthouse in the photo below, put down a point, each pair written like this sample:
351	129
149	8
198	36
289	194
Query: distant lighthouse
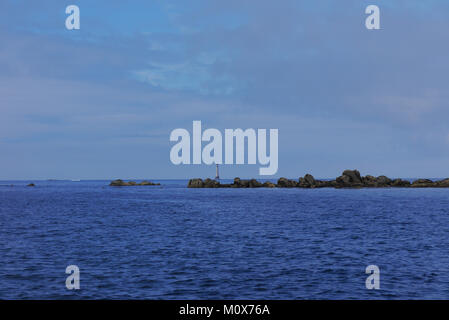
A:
217	176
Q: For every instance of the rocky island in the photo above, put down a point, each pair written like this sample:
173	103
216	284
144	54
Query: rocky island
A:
121	183
348	179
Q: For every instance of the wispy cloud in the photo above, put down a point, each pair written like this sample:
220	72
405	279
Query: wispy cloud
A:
339	94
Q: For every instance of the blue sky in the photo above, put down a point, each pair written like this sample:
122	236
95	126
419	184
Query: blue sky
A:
100	103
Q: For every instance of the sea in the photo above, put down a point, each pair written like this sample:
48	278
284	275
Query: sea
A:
171	242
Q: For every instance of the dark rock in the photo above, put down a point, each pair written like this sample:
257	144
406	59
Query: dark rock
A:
308	182
383	181
349	179
369	181
148	183
195	183
209	183
269	184
326	184
31	185
400	183
443	183
239	183
343	182
118	183
244	184
225	185
121	183
310	179
286	183
253	183
423	183
282	182
354	176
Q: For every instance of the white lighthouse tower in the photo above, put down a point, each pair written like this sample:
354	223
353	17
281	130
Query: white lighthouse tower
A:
217	176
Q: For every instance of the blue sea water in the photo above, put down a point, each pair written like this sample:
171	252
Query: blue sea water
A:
170	242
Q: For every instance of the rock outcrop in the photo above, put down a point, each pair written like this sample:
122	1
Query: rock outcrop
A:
423	183
148	183
268	185
348	179
353	179
443	183
286	183
195	183
238	183
31	185
121	183
400	183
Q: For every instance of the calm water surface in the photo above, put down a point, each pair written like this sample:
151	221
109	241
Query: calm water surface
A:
171	242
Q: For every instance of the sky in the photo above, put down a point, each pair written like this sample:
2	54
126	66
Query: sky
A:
101	102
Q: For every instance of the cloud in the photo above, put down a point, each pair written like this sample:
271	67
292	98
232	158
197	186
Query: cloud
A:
339	94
